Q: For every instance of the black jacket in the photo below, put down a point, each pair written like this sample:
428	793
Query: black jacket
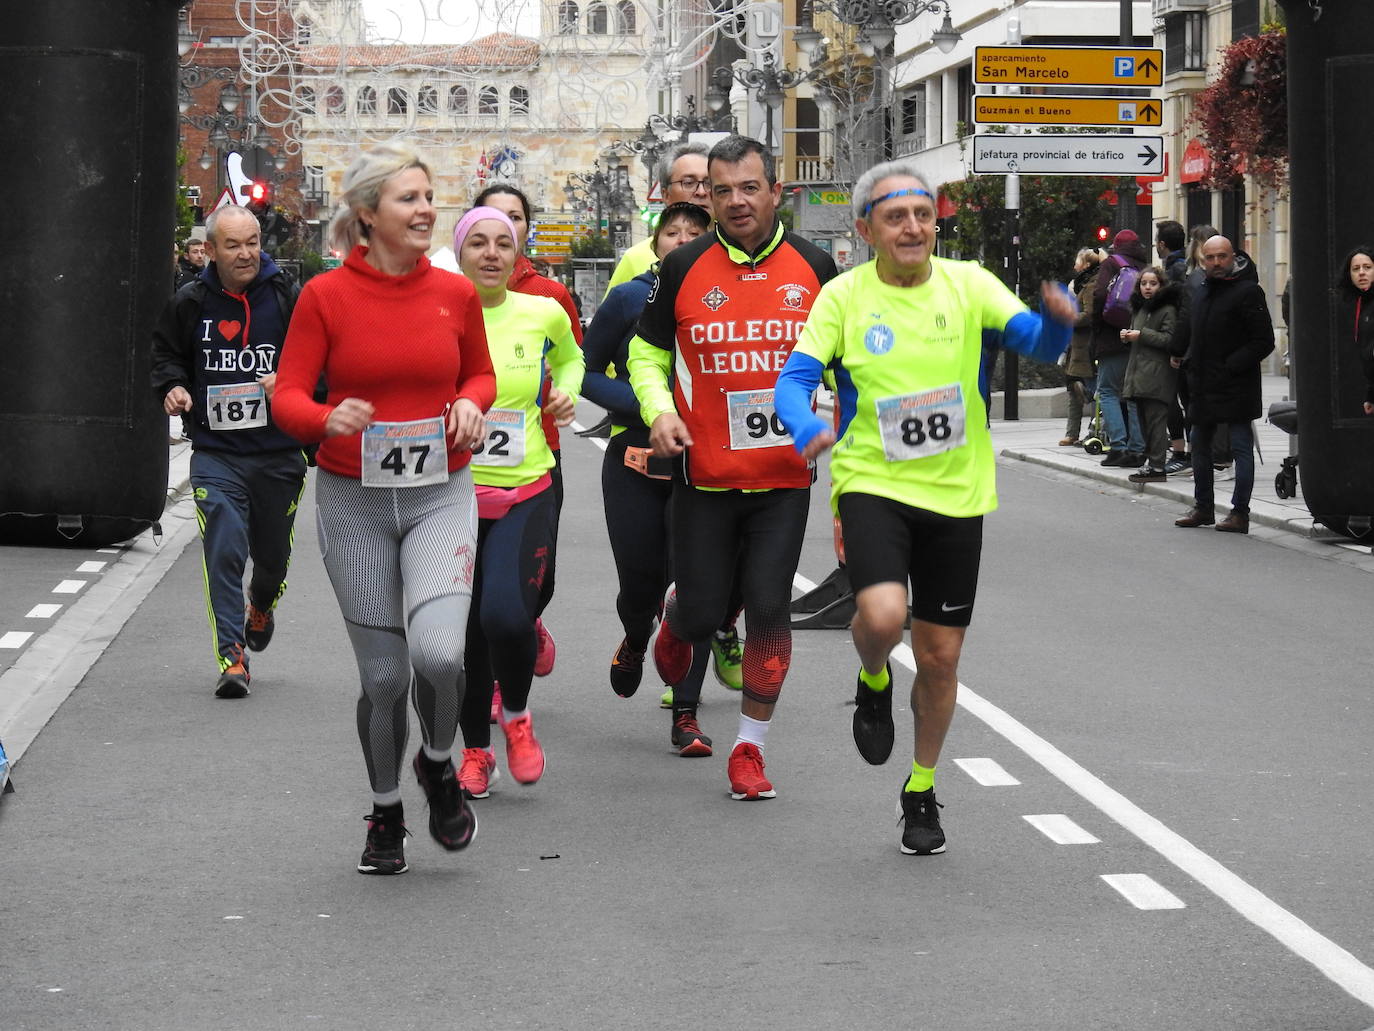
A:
1227	334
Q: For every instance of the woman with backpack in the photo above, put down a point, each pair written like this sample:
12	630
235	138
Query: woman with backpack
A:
1079	379
1151	380
1111	314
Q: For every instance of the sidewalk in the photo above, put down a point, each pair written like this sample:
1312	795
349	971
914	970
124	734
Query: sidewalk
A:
1037	441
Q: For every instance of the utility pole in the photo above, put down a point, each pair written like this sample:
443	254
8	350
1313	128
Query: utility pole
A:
1126	215
1011	365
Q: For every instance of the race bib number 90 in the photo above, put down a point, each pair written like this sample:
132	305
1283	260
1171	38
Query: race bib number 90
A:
235	406
504	444
405	454
753	423
921	425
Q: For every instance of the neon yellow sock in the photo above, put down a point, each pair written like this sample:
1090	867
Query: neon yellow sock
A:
875	681
921	779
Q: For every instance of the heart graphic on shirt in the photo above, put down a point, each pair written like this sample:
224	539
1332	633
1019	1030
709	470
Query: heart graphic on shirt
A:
229	328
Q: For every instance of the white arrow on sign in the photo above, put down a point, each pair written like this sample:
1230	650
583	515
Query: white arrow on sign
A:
1068	155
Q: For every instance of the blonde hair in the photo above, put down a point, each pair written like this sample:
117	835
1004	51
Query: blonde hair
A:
362	190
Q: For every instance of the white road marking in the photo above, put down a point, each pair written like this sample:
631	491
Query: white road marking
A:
1297	935
91	567
15	638
1143	891
1060	829
69	587
107	551
987	772
577	427
43	611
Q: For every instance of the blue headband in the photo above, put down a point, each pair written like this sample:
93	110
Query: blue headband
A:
911	192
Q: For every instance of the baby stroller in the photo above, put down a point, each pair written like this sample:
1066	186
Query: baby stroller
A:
1095	442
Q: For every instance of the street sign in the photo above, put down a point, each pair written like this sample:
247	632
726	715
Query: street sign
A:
1080	154
1022	110
1068	66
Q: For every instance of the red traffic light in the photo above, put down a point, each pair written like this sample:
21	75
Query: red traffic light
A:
1103	233
259	197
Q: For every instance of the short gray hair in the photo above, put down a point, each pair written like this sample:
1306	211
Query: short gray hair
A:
665	166
863	189
218	215
362	189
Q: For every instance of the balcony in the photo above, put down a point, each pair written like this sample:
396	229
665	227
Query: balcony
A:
1163	8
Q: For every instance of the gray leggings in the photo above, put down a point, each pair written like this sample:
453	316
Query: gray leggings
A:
401	562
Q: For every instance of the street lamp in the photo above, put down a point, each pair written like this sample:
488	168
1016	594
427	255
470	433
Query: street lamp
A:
770	82
877	21
605	191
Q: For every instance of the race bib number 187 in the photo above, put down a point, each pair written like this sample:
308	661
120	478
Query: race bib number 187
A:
235	406
921	425
405	454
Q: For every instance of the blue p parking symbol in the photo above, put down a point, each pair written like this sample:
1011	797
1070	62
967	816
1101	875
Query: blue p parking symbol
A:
1125	68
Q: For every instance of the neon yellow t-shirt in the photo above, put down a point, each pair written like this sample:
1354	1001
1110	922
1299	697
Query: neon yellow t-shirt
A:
914	427
525	334
639	258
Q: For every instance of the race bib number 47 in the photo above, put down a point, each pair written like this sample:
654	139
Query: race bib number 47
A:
753	423
405	454
235	406
921	425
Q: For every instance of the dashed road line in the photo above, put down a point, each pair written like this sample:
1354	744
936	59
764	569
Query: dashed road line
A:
987	772
43	611
1061	830
69	587
15	638
1143	891
91	567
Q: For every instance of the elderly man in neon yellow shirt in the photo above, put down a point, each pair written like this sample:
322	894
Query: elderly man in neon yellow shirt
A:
682	176
913	470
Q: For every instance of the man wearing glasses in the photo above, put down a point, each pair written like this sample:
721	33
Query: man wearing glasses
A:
683	179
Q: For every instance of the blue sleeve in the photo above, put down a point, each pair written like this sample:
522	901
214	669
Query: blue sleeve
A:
792	398
1035	336
604	345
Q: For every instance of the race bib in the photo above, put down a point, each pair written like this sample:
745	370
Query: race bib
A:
753	423
235	406
405	454
504	444
921	425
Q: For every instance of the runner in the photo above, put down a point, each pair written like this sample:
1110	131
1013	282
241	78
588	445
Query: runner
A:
913	472
525	279
516	510
635	486
722	316
403	350
683	180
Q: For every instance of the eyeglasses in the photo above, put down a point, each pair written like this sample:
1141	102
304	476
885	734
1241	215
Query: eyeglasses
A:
691	184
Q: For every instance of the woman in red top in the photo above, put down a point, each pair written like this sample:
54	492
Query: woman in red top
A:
402	348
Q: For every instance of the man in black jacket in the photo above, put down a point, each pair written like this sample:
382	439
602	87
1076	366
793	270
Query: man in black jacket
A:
215	354
1226	336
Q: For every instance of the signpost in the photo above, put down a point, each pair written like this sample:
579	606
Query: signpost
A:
1068	66
1041	110
1068	155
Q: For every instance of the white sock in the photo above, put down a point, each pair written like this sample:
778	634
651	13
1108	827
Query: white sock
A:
434	755
751	730
510	714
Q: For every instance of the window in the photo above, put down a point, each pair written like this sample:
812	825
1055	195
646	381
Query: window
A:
334	102
488	100
519	100
367	101
305	100
397	101
913	119
625	17
1185	42
427	102
965	95
568	14
598	19
457	100
1245	19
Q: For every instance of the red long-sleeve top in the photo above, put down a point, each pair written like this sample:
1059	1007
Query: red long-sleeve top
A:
410	345
525	280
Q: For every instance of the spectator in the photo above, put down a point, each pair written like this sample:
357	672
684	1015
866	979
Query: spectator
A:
191	263
1357	312
1079	379
1150	378
1120	423
1169	242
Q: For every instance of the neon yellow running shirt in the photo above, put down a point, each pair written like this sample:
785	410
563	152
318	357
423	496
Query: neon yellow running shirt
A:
905	359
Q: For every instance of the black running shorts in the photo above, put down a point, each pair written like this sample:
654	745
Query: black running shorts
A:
886	541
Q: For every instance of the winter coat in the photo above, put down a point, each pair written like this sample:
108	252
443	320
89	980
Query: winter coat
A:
1106	338
1080	363
1227	334
1148	372
1355	330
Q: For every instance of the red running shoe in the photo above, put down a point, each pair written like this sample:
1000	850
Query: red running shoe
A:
477	771
746	773
524	753
544	651
672	655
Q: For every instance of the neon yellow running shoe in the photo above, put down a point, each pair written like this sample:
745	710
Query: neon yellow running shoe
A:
727	654
665	700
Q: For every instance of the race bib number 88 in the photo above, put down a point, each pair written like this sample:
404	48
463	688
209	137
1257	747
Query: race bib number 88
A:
753	423
921	425
405	454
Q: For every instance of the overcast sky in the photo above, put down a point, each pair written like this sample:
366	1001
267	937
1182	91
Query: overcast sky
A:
450	21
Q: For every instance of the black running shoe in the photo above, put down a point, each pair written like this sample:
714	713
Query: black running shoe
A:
258	625
452	823
233	682
687	737
385	851
922	836
873	731
626	670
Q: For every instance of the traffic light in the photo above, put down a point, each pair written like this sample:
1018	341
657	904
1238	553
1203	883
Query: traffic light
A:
259	197
1102	233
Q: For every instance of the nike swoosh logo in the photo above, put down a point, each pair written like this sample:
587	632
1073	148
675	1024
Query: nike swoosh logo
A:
945	607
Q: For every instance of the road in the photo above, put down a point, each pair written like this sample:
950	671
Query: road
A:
1156	794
